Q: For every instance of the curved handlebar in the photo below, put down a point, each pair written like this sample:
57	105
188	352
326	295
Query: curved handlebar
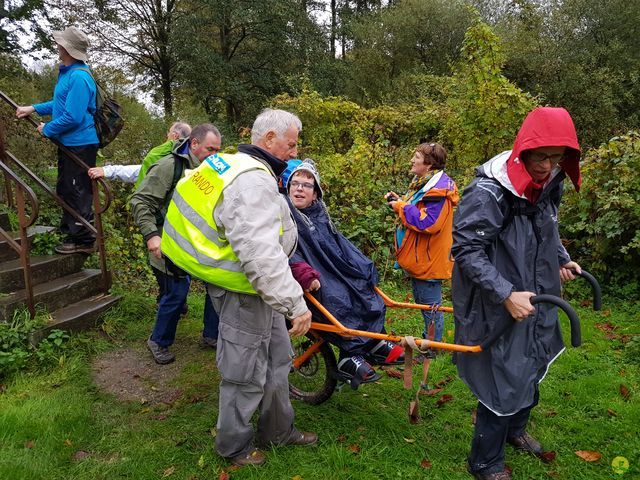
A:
595	288
571	313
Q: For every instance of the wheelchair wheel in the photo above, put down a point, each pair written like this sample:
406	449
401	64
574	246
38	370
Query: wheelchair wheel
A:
313	382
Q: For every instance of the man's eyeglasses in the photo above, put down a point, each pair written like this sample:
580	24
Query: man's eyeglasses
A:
306	185
539	157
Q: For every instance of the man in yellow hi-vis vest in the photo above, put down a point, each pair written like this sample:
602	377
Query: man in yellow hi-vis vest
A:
228	225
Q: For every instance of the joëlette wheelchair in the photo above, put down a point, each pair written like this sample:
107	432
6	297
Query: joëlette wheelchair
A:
314	375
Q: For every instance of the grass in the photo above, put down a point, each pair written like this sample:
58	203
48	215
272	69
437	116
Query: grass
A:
48	416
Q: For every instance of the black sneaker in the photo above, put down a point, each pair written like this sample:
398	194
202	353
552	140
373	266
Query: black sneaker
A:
355	370
385	353
161	355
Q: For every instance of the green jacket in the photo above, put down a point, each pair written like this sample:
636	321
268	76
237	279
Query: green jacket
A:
150	200
154	155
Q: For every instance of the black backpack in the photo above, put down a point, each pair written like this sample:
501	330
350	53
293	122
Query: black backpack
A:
108	115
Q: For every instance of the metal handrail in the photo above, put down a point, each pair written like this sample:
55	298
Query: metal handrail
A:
22	248
97	186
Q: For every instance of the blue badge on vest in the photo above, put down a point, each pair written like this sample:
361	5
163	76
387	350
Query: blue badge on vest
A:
217	163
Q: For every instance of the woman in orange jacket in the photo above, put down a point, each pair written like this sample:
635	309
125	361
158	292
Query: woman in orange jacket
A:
423	235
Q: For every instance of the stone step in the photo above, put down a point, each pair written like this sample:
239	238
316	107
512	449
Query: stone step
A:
43	269
82	315
8	253
4	221
54	294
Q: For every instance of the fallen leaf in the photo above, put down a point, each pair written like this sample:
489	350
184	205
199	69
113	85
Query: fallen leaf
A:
365	395
409	440
354	448
197	398
444	399
624	391
611	412
159	417
168	472
223	476
361	429
548	457
393	372
67	442
588	455
3	388
444	381
145	410
474	416
550	413
430	393
80	455
155	389
606	313
201	461
213	432
29	444
233	468
341	438
297	477
425	463
586	303
553	474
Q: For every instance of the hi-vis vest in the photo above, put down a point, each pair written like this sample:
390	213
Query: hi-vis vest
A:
190	236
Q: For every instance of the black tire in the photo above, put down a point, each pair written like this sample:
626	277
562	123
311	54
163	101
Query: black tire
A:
314	381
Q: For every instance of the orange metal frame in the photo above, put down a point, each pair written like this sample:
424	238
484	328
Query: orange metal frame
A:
335	326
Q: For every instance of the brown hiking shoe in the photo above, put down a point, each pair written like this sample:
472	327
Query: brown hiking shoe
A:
307	439
503	475
253	457
527	443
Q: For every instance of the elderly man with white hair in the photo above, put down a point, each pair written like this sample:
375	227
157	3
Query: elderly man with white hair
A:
228	225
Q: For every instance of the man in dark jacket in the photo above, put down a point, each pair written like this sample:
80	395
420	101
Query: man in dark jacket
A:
507	249
149	204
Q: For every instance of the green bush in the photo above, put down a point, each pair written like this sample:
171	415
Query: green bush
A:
16	351
602	222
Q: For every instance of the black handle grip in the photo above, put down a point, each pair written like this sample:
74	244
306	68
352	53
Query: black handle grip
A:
574	320
595	288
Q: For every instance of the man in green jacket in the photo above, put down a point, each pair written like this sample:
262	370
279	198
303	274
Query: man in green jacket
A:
135	173
149	204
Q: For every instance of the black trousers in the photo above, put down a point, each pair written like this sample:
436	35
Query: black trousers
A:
490	437
74	187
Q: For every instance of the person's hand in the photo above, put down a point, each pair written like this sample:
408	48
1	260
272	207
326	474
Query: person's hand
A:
315	285
566	271
22	112
153	244
41	128
392	198
300	325
519	306
96	172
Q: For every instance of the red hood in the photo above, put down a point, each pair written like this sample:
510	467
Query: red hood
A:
544	127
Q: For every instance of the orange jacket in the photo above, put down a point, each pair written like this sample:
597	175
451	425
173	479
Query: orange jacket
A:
426	231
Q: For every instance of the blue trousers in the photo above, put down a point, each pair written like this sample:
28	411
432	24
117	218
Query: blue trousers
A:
170	308
429	292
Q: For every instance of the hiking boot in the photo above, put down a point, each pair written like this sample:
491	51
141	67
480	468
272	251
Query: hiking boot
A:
161	355
503	475
208	342
385	353
253	457
307	439
68	247
527	443
355	370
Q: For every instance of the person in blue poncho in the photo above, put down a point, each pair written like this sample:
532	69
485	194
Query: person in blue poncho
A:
342	279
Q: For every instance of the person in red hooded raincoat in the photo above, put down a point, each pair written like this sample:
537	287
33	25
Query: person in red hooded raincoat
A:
507	249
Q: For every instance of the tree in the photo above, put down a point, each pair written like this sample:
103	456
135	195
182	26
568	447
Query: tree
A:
13	26
139	33
486	109
238	53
